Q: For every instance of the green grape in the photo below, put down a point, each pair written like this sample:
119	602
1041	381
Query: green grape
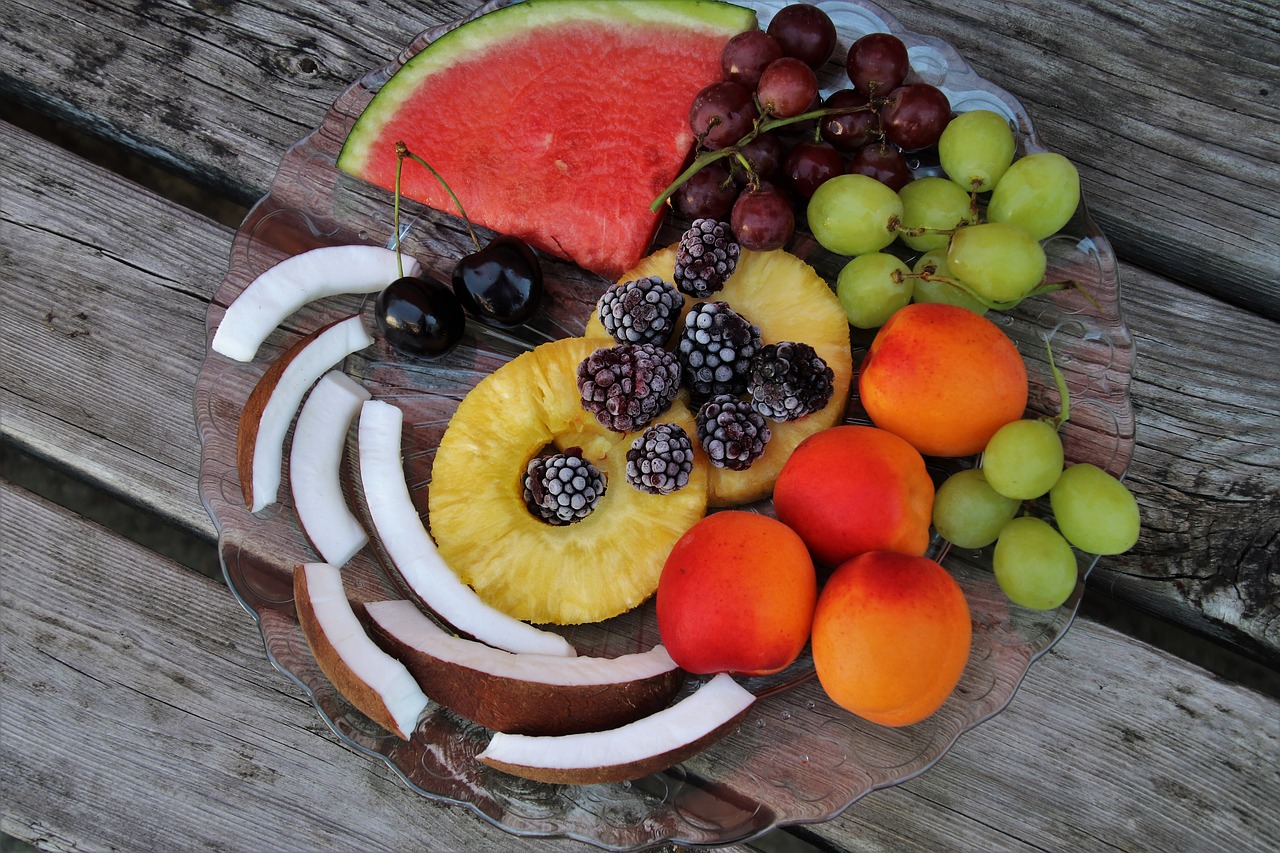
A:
968	513
928	290
936	204
1023	459
976	148
1033	564
1001	262
854	214
1094	510
1039	193
871	288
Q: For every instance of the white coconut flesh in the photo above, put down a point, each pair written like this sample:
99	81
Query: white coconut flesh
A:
381	673
296	281
404	621
713	705
315	465
413	552
324	351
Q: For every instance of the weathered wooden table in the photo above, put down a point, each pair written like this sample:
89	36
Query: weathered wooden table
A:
137	709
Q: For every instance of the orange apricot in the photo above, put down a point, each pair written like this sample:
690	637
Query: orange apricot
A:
943	378
850	489
736	595
891	637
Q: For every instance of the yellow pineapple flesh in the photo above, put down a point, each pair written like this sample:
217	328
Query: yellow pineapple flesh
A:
789	301
587	571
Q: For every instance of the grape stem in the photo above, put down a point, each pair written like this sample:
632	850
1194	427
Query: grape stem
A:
1064	395
706	158
402	151
929	273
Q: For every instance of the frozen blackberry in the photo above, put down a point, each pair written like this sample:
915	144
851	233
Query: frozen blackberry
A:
562	488
706	257
715	349
660	460
732	433
643	311
788	381
628	385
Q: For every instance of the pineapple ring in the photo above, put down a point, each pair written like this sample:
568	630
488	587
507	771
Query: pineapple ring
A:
596	568
789	301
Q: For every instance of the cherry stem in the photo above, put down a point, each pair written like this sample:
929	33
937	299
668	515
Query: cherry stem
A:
395	214
761	126
403	151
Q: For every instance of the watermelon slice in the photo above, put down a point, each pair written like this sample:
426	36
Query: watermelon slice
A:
555	121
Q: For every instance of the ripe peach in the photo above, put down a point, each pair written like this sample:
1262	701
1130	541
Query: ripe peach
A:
891	637
736	595
850	489
943	378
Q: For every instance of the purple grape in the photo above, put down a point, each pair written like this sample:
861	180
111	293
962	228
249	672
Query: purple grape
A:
787	88
913	116
804	32
746	56
722	113
850	131
877	64
709	194
884	162
764	153
762	218
808	165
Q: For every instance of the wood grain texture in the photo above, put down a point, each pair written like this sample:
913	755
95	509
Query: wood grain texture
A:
79	392
119	684
1171	109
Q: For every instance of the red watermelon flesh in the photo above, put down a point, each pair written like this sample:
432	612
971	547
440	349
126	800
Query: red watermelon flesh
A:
559	126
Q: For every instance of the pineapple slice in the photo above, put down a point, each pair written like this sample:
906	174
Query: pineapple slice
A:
789	301
591	570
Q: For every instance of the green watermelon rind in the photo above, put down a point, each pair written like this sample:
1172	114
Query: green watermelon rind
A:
491	29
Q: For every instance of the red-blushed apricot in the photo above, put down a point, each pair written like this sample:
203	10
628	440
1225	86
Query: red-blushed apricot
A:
891	637
943	378
851	489
736	595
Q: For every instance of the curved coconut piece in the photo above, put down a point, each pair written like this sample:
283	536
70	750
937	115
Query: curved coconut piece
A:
370	679
315	460
297	280
637	749
413	553
524	693
275	400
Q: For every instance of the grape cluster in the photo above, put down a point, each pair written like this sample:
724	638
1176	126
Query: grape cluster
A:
768	140
1034	562
974	232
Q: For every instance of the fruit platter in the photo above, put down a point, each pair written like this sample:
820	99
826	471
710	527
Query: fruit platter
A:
720	473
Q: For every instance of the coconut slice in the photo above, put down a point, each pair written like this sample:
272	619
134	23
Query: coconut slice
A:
637	749
370	679
413	552
315	461
524	693
275	400
295	281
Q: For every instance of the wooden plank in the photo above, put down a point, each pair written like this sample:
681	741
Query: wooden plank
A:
141	713
1168	107
119	684
83	392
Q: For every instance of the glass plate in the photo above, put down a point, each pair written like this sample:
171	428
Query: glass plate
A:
797	758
